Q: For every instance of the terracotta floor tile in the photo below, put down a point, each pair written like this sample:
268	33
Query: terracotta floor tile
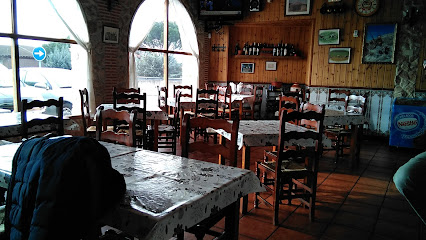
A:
406	218
360	208
253	228
366	198
284	233
357	221
395	231
301	222
335	231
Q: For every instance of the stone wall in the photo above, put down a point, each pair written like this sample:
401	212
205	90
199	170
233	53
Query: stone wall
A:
408	48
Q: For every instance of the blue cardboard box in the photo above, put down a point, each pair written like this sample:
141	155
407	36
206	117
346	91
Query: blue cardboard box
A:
408	123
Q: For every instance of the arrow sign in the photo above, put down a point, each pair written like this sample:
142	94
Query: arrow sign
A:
39	53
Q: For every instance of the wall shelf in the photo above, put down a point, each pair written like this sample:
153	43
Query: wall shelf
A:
265	57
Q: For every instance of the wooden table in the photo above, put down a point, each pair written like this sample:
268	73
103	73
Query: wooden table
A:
166	194
152	113
10	124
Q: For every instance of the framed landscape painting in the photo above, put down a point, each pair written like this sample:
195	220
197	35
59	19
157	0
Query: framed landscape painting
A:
339	55
328	36
379	43
297	7
247	67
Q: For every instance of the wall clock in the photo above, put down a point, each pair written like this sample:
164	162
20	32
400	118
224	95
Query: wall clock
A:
366	8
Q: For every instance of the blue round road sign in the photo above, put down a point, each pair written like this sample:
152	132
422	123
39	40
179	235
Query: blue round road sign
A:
39	53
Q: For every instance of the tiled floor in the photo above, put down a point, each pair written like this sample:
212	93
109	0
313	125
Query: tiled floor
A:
360	203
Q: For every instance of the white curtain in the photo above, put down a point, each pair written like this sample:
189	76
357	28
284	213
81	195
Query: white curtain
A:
142	24
71	15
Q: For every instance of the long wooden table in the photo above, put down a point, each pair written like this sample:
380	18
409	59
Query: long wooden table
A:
166	194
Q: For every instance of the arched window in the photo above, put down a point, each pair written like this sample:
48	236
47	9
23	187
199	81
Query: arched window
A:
44	46
163	47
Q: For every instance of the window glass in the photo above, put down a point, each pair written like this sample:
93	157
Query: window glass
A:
149	70
174	41
181	71
6	80
5	17
37	18
53	77
155	37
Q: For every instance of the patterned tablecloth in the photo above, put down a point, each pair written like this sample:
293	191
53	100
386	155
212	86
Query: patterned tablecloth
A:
164	192
257	133
10	124
333	117
152	112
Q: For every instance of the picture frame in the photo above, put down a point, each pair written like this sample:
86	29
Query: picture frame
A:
379	43
297	7
329	36
247	67
271	66
339	55
110	34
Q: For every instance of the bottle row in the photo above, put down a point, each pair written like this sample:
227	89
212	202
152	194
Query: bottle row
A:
256	49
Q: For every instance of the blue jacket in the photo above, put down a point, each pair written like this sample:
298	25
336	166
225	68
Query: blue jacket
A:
59	188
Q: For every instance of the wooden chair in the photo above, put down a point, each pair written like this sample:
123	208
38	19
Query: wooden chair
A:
206	105
307	107
56	123
168	133
119	95
288	103
224	149
105	118
186	90
162	98
89	130
257	105
228	109
340	135
142	139
338	95
292	173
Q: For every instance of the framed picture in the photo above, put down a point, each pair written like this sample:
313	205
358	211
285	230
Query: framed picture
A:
271	66
297	7
329	36
379	43
339	55
247	67
110	35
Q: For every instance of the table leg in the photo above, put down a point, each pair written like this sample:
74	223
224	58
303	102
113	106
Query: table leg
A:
245	165
232	221
355	145
156	123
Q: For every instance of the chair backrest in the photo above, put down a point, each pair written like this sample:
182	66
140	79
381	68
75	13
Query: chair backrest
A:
140	109
258	93
309	107
105	118
122	95
338	95
356	104
186	90
303	154
210	86
85	110
207	103
162	98
289	103
298	95
223	92
56	121
226	150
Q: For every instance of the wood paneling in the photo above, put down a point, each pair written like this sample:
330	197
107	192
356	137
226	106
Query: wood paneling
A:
271	25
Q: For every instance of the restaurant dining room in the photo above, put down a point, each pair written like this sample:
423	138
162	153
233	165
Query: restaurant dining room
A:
213	119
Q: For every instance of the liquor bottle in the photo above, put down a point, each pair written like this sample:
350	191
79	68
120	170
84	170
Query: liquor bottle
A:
246	49
237	47
250	50
274	51
285	50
